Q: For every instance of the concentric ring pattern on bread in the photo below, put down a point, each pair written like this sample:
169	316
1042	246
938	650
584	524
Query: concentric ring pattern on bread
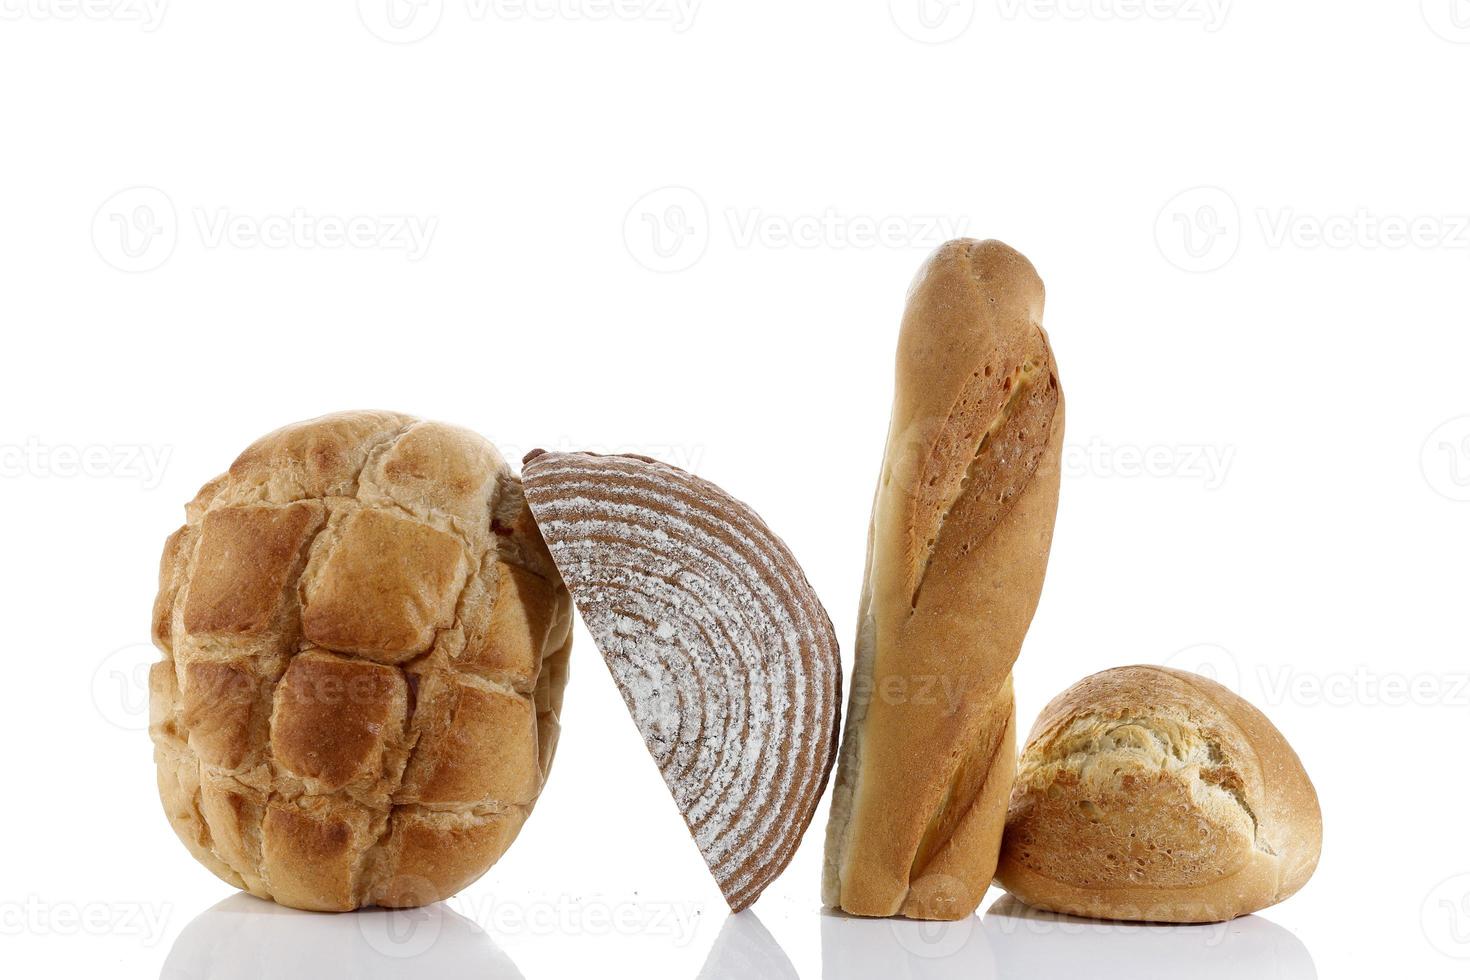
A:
364	650
1157	795
721	649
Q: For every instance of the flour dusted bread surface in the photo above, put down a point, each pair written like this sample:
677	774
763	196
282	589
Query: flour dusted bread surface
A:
1153	794
721	649
957	550
365	645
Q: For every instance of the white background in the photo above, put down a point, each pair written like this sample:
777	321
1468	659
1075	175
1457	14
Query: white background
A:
686	231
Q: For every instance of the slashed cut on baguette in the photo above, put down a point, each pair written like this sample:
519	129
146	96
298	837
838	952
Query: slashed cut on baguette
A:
957	550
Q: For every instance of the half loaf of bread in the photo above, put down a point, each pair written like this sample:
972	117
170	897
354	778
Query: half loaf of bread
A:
724	655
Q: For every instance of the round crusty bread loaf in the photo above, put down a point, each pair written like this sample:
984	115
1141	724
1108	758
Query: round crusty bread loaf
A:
1150	794
365	644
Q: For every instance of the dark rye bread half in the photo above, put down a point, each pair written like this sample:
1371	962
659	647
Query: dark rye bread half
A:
722	651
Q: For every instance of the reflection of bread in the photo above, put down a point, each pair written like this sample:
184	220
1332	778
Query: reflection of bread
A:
239	938
720	647
1153	794
365	646
957	550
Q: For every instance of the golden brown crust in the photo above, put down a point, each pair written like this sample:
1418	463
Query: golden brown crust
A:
503	641
957	551
225	710
170	572
179	790
476	743
440	853
386	588
310	848
335	717
1152	794
359	622
245	559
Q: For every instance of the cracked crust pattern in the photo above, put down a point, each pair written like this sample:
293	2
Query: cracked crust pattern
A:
1152	794
364	647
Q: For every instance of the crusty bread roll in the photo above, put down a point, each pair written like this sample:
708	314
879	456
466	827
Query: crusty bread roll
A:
720	647
365	644
957	549
1156	795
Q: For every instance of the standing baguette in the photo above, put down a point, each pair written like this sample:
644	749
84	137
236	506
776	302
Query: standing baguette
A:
957	549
